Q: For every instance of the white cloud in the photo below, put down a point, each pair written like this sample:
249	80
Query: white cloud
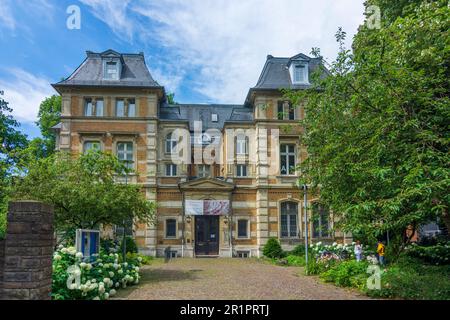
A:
225	43
6	18
24	92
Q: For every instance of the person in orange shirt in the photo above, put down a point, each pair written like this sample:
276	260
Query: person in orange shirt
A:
380	252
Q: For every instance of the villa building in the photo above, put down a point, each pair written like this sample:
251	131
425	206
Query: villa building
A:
223	176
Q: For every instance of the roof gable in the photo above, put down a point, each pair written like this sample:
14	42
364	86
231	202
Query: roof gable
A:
207	184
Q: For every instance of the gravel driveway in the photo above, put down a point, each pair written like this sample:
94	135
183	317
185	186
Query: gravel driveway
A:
229	279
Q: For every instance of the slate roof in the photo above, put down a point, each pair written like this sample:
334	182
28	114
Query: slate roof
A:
203	112
275	74
90	73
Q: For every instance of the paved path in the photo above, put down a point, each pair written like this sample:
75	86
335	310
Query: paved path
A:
229	279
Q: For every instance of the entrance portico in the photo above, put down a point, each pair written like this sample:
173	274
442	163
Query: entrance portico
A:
207	216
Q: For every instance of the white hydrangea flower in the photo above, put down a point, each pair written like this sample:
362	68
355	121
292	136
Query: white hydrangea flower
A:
136	269
88	266
82	264
120	271
96	298
106	280
111	274
79	255
112	292
116	266
139	259
106	296
334	244
60	246
57	257
125	264
64	250
117	284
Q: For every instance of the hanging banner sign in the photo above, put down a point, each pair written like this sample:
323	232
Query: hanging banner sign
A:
207	207
194	207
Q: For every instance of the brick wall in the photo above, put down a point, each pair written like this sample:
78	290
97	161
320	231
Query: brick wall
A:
28	249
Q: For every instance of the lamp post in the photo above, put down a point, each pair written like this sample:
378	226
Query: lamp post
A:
124	236
305	206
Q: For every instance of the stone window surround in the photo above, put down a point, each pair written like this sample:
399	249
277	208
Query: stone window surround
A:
176	227
125	99
330	224
94	105
300	224
237	219
118	138
296	155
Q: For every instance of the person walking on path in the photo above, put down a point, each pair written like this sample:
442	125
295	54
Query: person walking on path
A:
380	252
358	251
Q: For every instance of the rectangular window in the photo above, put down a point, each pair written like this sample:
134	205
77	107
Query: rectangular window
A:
299	73
99	107
242	228
203	170
285	111
91	145
241	145
111	70
321	221
88	107
171	144
171	228
125	153
287	159
131	107
241	170
120	108
171	170
289	223
214	117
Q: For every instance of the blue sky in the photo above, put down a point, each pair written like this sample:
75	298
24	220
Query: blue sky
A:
206	51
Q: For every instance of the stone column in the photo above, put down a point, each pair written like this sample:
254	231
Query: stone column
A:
27	272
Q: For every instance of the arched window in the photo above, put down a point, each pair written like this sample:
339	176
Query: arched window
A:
241	144
171	143
289	219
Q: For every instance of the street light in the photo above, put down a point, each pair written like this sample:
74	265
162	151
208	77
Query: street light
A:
124	242
305	211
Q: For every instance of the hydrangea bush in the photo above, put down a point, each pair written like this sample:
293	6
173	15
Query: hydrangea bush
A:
74	278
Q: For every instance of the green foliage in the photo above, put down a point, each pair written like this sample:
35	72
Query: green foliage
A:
48	116
85	191
130	245
98	280
171	98
272	249
2	224
409	279
299	250
376	129
347	274
142	259
437	255
296	260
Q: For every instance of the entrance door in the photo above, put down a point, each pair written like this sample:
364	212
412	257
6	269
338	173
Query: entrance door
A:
207	235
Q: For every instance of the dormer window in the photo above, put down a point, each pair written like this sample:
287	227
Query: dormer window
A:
299	72
111	70
214	117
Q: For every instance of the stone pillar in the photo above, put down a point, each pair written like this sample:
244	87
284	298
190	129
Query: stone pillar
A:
27	272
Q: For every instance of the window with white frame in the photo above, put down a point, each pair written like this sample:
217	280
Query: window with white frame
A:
120	107
320	221
125	153
203	170
131	110
289	219
285	111
171	228
88	107
243	228
111	70
171	170
287	159
241	144
300	73
214	117
99	107
91	145
241	170
171	143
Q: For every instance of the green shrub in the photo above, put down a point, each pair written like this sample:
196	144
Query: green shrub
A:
2	224
272	249
130	245
438	254
347	274
318	266
299	250
293	260
99	279
139	258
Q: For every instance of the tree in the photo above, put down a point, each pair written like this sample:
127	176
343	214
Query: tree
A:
84	190
376	129
49	115
171	98
11	140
